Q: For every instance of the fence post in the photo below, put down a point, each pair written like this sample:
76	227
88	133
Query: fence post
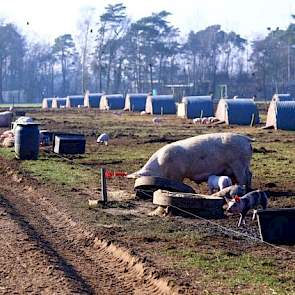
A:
103	183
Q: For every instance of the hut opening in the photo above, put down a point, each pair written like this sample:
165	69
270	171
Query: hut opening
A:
47	103
160	105
195	107
73	101
112	102
281	115
58	103
135	102
92	100
237	111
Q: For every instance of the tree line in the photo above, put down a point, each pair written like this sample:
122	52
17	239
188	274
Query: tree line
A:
114	54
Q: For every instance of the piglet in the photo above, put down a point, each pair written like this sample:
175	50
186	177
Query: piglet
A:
252	200
197	121
103	139
218	182
157	120
204	121
230	192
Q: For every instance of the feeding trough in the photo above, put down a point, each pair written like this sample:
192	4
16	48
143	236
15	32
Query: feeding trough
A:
201	205
146	185
277	226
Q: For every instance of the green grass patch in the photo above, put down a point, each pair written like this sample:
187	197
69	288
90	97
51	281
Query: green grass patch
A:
7	153
21	105
56	171
237	270
277	164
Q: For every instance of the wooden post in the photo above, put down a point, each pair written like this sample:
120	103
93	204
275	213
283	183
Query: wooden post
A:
103	183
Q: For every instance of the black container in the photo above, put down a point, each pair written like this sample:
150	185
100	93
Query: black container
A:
27	141
65	144
277	226
54	134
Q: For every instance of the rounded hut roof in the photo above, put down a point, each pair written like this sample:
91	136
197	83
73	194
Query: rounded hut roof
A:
281	115
112	101
192	99
135	101
282	97
161	104
237	111
198	106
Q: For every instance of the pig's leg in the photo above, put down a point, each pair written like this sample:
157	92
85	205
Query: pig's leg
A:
249	179
242	219
254	214
240	173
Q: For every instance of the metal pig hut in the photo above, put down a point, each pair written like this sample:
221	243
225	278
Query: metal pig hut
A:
58	102
160	105
195	107
92	100
47	103
112	102
73	101
239	111
135	102
281	115
282	97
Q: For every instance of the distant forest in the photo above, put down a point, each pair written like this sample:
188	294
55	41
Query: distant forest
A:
114	54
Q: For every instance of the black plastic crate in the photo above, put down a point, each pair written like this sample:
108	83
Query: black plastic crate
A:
69	144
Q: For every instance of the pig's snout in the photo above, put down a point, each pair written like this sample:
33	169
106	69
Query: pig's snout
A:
234	207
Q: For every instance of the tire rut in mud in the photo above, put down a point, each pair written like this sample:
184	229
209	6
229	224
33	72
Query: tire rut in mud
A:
62	255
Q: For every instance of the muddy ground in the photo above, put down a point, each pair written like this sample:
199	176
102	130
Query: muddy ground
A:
54	244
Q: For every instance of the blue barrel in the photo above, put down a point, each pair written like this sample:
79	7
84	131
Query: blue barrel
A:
27	141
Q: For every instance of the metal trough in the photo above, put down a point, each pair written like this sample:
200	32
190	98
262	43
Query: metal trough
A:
146	185
201	205
277	226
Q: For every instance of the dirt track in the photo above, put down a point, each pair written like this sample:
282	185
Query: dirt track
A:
44	251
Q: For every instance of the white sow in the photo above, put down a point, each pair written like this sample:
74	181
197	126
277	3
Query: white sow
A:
199	157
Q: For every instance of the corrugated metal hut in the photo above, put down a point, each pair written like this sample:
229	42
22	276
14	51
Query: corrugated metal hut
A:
135	102
47	103
92	100
58	102
112	102
160	105
281	115
282	97
195	107
237	111
73	101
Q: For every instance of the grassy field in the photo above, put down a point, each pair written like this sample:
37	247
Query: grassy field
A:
187	250
19	105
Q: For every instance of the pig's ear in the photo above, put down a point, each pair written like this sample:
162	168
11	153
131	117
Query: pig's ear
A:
133	175
237	198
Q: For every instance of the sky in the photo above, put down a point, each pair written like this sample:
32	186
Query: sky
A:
48	19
